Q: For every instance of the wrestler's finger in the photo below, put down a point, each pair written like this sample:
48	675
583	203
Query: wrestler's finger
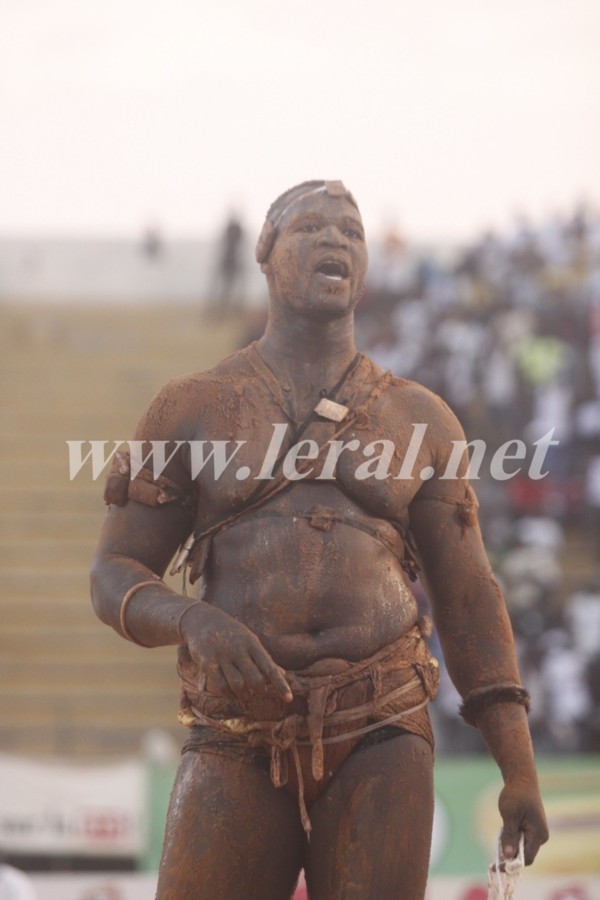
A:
509	840
235	680
274	674
532	845
535	836
215	683
252	675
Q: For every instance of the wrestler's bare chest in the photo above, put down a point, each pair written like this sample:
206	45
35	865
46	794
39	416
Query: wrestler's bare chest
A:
374	462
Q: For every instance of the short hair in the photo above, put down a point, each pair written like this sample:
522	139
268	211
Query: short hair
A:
282	204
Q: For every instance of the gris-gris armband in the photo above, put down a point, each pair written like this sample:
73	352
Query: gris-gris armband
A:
144	488
480	698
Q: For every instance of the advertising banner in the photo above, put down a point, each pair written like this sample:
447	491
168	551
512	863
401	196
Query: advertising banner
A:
143	887
467	820
64	808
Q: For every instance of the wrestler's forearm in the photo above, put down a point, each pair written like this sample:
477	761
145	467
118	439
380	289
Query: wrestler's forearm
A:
152	613
505	729
501	719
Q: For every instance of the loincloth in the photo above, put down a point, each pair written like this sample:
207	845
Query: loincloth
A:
336	702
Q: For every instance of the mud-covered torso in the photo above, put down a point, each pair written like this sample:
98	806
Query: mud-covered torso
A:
316	570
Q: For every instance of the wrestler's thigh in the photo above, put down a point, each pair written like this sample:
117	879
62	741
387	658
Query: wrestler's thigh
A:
229	834
372	826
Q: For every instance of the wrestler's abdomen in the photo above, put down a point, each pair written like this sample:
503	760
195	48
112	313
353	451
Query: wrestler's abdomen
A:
311	592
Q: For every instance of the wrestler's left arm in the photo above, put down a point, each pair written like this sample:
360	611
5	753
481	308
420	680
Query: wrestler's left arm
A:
476	636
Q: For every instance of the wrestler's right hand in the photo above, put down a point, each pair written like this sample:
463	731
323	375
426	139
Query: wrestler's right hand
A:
230	658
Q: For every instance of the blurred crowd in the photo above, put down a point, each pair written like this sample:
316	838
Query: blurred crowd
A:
508	333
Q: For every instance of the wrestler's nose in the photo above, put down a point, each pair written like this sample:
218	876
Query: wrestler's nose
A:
332	236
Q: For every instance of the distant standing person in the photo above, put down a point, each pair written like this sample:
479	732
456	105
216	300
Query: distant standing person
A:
228	293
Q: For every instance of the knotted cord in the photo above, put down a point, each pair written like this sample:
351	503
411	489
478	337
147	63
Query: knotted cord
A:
503	874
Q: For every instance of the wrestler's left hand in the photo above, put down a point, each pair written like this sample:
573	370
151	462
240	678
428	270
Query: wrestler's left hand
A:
521	809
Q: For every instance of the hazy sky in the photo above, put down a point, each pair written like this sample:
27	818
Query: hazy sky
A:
442	115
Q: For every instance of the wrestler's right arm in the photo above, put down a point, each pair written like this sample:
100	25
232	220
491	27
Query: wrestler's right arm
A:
136	545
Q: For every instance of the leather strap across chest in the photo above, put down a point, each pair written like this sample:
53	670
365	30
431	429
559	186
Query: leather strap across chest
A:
280	483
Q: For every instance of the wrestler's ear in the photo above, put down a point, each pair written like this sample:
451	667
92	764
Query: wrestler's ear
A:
265	244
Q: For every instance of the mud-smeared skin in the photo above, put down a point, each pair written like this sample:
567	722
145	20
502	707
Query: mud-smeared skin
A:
281	594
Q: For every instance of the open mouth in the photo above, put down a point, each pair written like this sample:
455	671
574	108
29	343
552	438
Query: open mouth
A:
333	269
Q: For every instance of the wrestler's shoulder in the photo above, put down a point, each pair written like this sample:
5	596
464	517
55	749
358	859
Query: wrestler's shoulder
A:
231	371
415	398
183	400
407	391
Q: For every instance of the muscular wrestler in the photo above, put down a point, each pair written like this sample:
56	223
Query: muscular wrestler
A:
305	675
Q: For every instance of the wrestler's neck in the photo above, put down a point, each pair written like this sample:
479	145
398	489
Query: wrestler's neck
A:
296	346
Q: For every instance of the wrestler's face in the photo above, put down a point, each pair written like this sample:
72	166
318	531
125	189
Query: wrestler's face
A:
319	259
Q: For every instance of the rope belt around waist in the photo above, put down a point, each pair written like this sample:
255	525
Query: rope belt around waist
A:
287	734
336	701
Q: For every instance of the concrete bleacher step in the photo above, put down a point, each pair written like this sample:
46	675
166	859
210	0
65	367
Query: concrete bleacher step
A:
47	551
59	524
83	740
68	683
80	644
59	677
136	711
85	497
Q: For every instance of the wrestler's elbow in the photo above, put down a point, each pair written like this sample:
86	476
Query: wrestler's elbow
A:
99	577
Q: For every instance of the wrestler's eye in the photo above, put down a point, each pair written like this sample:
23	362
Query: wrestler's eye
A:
353	231
309	227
